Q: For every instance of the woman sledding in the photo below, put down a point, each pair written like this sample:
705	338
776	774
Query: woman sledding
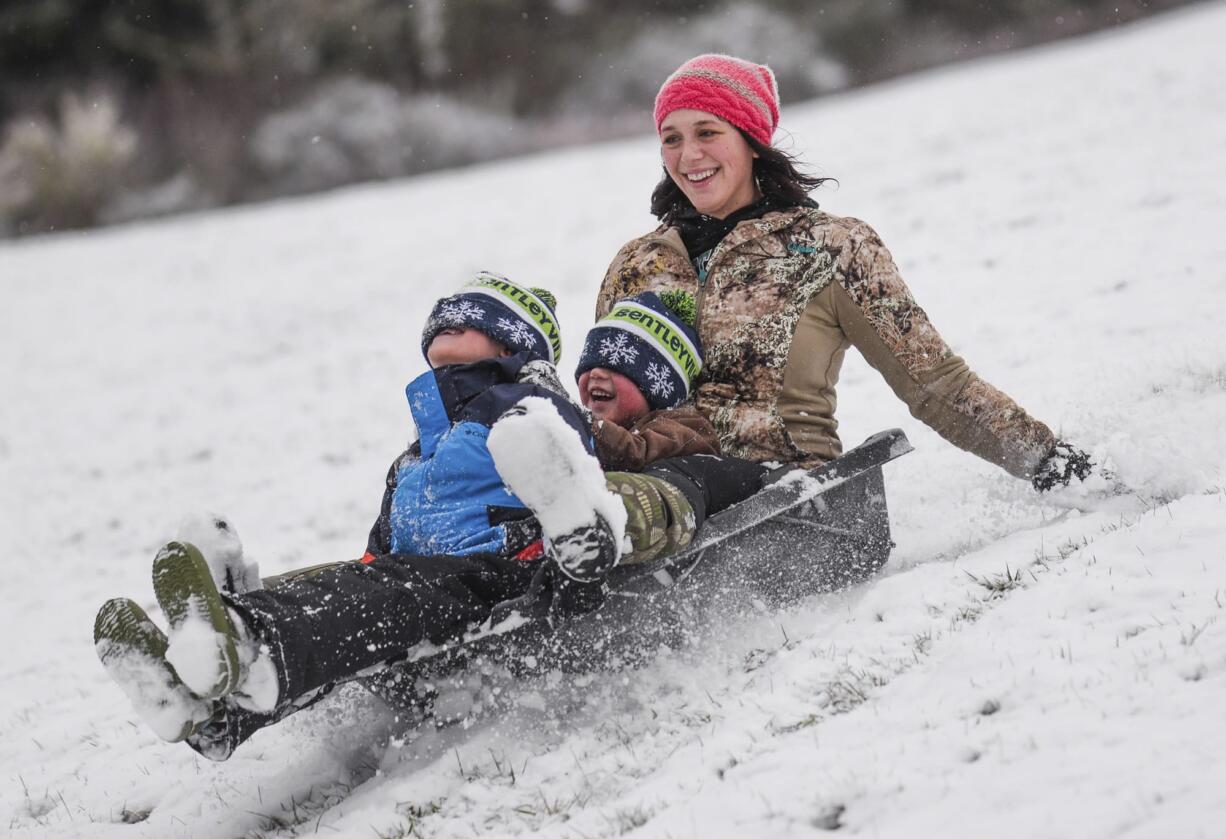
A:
502	486
782	289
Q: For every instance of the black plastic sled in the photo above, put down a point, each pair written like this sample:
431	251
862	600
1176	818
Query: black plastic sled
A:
805	533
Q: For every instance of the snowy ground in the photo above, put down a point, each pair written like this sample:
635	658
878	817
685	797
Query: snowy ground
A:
1022	668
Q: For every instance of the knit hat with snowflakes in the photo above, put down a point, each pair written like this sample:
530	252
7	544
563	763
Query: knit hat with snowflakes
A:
650	340
518	317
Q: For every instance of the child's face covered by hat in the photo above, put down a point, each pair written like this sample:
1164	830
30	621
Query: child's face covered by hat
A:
462	345
611	396
515	318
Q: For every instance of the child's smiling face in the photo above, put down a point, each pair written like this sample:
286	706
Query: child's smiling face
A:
462	345
611	396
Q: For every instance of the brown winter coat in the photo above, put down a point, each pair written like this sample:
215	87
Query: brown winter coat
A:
657	435
785	295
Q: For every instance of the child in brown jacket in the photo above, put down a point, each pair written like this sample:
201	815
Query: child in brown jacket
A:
635	374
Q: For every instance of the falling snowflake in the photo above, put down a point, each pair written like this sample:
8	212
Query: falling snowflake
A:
618	350
459	312
661	382
516	332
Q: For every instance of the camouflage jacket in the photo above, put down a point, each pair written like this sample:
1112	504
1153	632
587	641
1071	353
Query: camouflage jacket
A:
784	297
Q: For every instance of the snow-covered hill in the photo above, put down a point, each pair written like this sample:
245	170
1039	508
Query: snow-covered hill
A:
1025	666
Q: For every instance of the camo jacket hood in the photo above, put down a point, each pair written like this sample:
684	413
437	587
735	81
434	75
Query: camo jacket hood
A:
784	297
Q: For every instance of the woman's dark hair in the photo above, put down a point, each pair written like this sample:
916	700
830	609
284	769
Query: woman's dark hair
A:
776	172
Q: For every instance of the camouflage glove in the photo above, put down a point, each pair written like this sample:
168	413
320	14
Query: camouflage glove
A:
1060	466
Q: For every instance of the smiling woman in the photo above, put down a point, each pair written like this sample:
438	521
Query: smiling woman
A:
782	289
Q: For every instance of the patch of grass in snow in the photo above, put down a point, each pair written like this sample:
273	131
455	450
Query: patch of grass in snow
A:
998	585
1205	378
559	807
400	831
804	722
40	808
1064	550
630	819
414	815
1188	638
758	656
297	812
966	614
731	763
829	817
36	808
1198	378
852	688
499	769
1122	524
133	816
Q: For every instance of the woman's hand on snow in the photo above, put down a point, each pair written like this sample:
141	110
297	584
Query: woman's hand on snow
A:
1060	466
1075	478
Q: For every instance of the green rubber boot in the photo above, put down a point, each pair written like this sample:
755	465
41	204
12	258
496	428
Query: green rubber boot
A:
659	518
203	640
133	651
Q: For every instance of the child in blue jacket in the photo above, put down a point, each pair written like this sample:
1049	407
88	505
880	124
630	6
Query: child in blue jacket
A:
446	496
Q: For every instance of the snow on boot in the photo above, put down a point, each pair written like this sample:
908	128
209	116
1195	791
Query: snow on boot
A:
217	540
203	640
659	518
133	650
543	461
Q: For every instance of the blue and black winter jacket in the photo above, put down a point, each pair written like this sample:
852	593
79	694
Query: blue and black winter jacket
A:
444	497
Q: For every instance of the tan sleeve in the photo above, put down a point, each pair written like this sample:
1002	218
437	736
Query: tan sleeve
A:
876	311
649	260
660	434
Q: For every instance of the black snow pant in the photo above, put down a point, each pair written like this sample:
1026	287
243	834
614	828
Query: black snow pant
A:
710	483
336	623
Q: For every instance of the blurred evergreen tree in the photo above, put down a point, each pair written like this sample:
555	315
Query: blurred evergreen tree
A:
197	78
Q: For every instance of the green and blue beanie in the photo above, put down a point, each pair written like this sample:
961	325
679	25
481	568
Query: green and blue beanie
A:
518	317
650	342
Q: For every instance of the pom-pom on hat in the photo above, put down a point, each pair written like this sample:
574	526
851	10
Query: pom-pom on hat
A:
739	91
650	341
518	317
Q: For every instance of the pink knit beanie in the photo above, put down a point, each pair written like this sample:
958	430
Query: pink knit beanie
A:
741	92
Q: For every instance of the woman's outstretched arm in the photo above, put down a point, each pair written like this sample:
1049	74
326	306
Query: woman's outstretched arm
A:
880	317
